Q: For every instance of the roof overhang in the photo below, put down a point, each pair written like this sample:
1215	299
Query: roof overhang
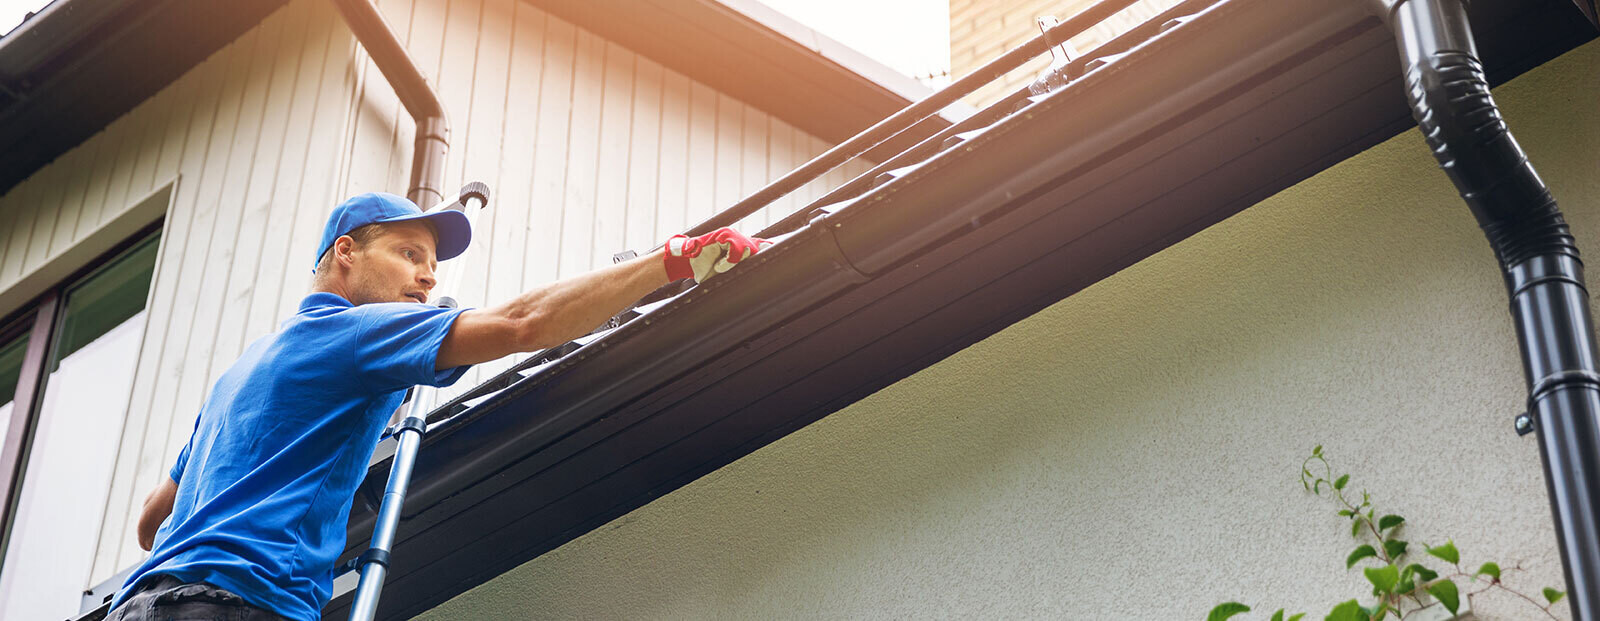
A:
1208	118
762	57
78	65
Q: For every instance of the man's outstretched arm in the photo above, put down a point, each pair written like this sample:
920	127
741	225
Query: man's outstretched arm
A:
157	506
563	310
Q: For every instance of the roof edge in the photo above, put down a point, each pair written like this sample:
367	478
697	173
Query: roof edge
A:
763	58
846	57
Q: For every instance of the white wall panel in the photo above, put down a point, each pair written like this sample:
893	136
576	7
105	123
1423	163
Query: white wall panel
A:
589	148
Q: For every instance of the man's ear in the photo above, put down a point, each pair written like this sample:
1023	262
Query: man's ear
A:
344	250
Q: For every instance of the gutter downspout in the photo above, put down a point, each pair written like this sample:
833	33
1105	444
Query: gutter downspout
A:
1543	272
433	129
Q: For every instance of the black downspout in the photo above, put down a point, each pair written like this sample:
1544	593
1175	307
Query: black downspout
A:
1543	273
433	129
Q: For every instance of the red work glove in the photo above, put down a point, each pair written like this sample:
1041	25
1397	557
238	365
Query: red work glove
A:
710	254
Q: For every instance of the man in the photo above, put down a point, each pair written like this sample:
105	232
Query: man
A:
259	497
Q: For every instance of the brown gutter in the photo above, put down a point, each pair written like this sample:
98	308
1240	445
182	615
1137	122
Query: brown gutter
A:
433	129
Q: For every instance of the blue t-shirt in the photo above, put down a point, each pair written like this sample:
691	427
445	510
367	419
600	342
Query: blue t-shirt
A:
265	483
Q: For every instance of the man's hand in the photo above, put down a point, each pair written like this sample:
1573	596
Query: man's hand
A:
554	313
705	256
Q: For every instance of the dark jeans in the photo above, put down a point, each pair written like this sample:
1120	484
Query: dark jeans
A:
164	598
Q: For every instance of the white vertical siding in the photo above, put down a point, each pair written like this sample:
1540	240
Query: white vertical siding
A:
589	148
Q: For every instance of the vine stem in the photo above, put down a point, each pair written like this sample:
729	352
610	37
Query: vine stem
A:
1383	553
1395	601
1495	583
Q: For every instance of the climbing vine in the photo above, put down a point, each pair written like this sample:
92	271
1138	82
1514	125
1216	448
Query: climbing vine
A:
1402	581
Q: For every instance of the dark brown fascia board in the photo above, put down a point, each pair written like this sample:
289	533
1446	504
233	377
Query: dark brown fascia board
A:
1250	98
51	33
81	64
762	58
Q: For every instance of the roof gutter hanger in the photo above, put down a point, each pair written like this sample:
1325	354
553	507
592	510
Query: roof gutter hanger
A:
1543	274
433	129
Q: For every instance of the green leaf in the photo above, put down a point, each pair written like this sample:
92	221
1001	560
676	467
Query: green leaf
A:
1447	552
1390	521
1422	572
1358	554
1297	616
1346	513
1383	578
1355	528
1225	610
1378	612
1278	616
1339	484
1317	451
1552	595
1348	611
1491	570
1394	548
1405	586
1445	592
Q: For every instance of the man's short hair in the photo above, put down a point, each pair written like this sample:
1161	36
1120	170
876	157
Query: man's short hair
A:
361	235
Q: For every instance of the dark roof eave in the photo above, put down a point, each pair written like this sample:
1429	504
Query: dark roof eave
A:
1243	102
77	66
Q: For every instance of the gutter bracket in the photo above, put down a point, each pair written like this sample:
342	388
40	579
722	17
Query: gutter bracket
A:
821	218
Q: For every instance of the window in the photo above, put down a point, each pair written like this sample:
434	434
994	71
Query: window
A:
66	368
11	355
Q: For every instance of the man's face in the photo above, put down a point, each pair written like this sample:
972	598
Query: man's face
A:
397	266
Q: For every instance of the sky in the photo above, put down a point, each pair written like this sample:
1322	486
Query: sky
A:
910	36
11	11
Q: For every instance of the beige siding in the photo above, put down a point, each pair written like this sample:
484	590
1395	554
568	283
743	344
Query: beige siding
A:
590	150
982	30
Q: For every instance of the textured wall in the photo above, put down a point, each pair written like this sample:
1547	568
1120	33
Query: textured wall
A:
590	150
1131	452
982	30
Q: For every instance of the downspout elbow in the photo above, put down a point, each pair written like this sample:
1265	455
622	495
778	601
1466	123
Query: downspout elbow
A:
1450	100
432	144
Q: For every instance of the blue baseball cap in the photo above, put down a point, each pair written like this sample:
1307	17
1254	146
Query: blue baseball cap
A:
455	232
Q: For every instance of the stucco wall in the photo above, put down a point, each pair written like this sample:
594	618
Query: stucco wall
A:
1131	452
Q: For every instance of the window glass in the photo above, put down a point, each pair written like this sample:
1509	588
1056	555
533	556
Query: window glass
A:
50	550
10	371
